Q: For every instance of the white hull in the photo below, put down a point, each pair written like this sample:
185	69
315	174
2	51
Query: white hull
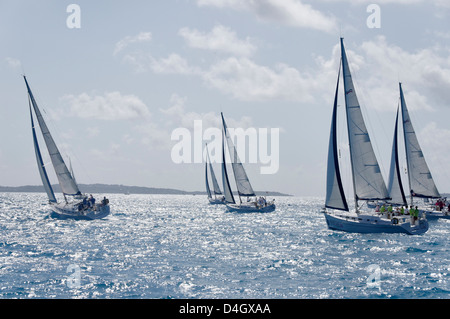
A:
373	204
70	211
367	223
251	207
216	201
435	214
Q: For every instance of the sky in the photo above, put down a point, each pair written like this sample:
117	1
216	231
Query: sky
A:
115	79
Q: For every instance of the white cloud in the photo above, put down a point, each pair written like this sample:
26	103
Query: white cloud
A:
173	64
248	81
156	134
425	74
176	115
435	143
110	106
220	38
377	67
123	43
13	62
289	12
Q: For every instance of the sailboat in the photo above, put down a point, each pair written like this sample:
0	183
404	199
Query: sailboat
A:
421	183
243	185
80	207
368	183
217	192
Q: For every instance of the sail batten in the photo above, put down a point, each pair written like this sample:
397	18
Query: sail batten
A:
68	185
368	183
421	183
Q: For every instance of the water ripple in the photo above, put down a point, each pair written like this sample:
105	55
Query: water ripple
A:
179	247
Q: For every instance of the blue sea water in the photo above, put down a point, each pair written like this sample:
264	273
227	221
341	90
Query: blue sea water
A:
166	246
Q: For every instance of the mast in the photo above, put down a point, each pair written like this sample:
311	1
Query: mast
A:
368	183
343	55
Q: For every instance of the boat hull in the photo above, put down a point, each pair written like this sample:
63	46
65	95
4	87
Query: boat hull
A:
251	208
216	201
437	214
70	211
374	224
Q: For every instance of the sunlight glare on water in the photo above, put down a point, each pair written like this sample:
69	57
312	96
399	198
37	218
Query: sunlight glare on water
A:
168	246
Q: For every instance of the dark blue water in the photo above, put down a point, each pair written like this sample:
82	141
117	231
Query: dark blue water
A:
165	246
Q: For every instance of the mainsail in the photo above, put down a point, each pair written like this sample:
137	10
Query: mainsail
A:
242	183
421	182
42	171
368	181
335	197
229	198
213	176
395	187
208	190
68	185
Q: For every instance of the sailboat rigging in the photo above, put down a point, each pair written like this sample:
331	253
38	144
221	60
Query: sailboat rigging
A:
80	207
421	182
243	185
368	183
216	188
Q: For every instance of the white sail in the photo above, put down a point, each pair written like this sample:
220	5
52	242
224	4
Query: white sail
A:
242	183
216	187
421	182
71	172
208	190
229	198
68	185
395	187
368	181
335	197
42	171
213	176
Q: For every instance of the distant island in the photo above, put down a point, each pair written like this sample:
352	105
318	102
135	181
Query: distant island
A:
118	189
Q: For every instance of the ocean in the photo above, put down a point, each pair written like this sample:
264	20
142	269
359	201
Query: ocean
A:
179	246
